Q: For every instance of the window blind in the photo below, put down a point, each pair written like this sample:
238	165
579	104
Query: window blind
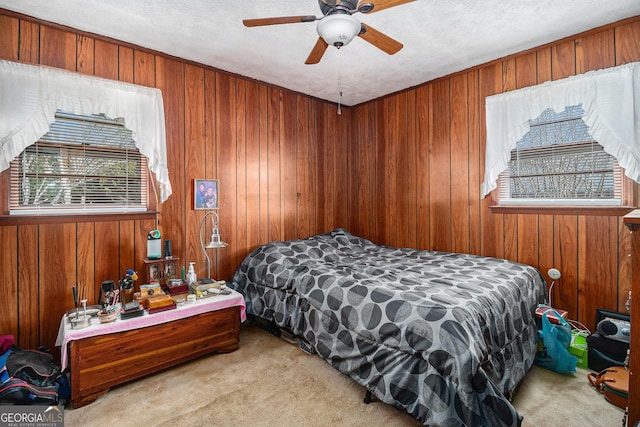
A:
30	95
84	163
557	162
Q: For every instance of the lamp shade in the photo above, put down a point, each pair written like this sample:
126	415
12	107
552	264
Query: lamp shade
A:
339	29
214	242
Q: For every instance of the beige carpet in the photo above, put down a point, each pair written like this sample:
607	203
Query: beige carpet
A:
269	382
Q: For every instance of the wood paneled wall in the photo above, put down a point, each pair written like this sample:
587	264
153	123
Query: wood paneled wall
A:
403	170
276	155
418	162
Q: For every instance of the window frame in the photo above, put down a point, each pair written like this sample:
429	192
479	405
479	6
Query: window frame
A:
7	218
507	115
622	204
78	138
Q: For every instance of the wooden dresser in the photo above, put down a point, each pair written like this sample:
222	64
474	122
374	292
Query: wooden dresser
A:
632	221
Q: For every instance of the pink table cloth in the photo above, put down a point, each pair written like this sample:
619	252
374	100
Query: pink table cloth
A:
218	302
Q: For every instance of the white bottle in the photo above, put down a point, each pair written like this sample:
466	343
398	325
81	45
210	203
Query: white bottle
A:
191	274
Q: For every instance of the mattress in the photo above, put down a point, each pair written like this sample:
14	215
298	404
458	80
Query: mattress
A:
445	336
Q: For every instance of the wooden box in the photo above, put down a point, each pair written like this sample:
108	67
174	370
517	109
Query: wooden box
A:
103	361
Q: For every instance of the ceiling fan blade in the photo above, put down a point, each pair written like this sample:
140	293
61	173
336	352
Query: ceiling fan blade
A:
316	53
278	20
385	4
380	40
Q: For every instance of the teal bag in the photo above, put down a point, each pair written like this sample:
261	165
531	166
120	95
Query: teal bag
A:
553	345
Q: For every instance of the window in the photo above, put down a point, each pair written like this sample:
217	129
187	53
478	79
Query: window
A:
84	164
557	162
610	100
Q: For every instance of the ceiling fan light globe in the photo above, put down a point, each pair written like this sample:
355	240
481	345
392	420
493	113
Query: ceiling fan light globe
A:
339	29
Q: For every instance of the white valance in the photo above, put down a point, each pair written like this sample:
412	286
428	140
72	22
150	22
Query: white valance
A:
30	96
610	99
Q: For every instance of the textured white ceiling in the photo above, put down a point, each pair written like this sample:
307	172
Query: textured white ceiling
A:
439	36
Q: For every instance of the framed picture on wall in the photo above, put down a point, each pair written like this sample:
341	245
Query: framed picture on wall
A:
205	194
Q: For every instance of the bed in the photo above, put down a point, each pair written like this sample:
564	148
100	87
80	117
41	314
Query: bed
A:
445	336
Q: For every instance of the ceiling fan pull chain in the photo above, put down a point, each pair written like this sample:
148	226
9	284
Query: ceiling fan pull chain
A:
340	93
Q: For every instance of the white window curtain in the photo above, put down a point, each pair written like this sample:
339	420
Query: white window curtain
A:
30	96
610	99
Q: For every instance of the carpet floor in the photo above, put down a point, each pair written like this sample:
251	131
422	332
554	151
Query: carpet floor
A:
269	382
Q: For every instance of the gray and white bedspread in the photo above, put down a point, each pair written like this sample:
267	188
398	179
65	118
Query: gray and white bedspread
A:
445	336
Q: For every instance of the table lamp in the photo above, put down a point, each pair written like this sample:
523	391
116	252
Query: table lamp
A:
215	241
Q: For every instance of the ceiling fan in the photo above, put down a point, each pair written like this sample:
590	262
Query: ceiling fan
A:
337	26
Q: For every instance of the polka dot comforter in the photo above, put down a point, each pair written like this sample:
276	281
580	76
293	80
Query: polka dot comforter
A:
447	337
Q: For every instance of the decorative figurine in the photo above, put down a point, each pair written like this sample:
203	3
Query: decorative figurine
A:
126	286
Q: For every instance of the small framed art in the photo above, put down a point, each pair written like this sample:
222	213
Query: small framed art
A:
205	194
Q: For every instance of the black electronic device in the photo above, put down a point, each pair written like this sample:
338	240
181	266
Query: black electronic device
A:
605	352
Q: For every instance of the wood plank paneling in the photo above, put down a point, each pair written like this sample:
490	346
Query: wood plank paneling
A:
106	255
57	262
29	42
206	167
170	79
404	173
106	60
595	51
9	30
9	297
226	143
440	166
510	222
391	170
195	159
85	48
57	48
449	113
263	183
460	188
627	43
381	188
411	167
277	156
475	106
274	164
423	228
126	253
241	168
288	141
403	169
528	229
491	225
125	64
252	188
87	258
303	171
28	266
